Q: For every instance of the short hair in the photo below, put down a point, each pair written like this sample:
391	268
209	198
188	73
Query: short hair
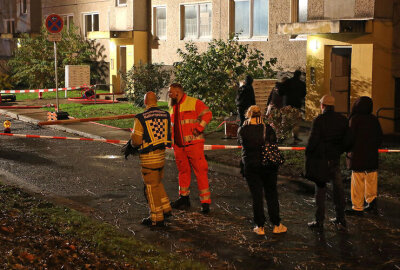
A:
176	85
297	73
253	112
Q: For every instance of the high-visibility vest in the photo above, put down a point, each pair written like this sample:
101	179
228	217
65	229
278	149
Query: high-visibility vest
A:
193	114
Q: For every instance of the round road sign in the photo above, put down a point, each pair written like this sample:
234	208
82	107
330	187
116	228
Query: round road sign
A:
54	23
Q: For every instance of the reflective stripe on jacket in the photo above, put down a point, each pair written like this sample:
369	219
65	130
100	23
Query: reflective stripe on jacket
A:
193	114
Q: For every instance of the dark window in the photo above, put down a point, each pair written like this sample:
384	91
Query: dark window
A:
397	105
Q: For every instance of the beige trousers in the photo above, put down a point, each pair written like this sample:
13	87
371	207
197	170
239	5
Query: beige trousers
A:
364	185
155	192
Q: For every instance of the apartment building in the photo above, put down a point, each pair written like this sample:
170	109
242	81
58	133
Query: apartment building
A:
353	49
120	26
16	18
175	22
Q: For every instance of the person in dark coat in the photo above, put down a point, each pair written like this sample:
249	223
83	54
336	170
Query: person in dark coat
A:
275	101
328	141
245	98
294	92
363	157
260	179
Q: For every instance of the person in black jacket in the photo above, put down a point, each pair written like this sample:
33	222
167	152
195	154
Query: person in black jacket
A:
275	101
260	179
328	141
363	157
294	91
245	98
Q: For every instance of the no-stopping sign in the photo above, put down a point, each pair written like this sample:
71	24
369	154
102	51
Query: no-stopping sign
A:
54	23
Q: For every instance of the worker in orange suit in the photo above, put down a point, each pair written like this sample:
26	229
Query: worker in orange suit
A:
189	117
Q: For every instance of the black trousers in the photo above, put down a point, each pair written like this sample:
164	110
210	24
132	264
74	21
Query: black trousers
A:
263	183
242	117
338	193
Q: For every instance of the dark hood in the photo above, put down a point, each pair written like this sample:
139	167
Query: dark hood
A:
248	80
363	105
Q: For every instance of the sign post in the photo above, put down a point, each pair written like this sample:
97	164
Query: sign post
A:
54	25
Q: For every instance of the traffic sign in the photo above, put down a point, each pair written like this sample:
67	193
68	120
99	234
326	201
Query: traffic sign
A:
54	37
54	23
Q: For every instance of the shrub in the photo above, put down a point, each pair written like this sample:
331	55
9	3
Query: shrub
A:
213	75
5	82
143	78
283	120
33	61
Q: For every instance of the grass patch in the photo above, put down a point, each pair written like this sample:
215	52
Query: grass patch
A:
52	95
50	222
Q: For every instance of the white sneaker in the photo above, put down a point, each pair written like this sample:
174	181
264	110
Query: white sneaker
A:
259	230
280	229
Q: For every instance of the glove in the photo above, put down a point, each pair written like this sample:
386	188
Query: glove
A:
128	149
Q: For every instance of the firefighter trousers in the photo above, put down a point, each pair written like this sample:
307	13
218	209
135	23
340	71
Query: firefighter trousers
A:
364	186
192	156
155	193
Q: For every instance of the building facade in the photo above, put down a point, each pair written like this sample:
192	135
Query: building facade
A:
15	19
119	26
175	22
353	49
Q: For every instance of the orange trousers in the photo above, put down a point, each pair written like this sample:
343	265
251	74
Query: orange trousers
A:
192	156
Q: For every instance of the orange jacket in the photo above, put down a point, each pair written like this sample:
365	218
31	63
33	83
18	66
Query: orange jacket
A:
193	114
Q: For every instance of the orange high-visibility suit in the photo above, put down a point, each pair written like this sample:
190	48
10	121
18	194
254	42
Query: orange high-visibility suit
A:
188	115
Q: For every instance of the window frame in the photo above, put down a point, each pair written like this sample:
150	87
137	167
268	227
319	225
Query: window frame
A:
84	21
9	24
182	21
154	20
251	36
67	22
23	7
118	4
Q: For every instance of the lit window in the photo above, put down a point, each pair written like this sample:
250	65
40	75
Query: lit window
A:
197	21
68	21
160	23
24	7
91	22
302	10
299	10
122	3
251	18
9	26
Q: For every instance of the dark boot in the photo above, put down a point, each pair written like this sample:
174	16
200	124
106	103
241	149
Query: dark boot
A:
150	223
315	225
371	206
352	212
183	203
205	208
339	224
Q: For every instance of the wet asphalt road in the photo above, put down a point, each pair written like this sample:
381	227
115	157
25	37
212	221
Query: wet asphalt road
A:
94	178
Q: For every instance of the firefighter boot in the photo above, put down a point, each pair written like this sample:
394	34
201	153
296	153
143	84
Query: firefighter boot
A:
183	203
205	208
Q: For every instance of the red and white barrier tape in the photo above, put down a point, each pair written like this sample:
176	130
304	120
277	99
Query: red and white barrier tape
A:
206	146
27	107
62	138
43	90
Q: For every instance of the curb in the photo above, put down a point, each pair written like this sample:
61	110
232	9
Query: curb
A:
55	127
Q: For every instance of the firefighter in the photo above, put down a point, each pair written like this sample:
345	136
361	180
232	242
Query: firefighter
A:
189	117
152	134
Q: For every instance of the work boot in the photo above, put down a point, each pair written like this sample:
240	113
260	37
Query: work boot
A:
150	223
205	208
183	203
352	212
371	206
315	225
339	224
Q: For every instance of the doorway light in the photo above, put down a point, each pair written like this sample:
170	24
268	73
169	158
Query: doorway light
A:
314	45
